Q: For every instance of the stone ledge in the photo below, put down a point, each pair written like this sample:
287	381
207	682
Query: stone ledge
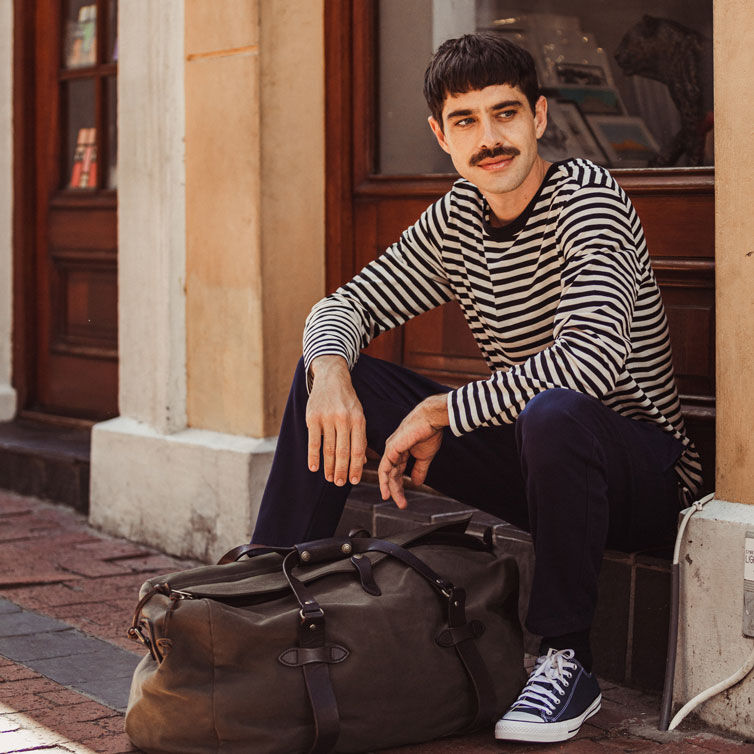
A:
193	493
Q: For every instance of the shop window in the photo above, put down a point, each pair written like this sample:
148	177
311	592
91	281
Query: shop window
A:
629	84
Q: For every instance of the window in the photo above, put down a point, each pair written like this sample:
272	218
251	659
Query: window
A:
629	84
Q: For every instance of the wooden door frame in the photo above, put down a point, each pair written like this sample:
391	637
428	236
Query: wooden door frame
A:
24	209
35	144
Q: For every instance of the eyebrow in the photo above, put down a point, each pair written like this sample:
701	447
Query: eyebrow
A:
499	106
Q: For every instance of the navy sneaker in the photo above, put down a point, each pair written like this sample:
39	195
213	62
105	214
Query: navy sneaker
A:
558	697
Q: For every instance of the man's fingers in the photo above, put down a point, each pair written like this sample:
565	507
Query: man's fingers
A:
358	451
419	472
315	443
395	482
390	475
342	453
329	439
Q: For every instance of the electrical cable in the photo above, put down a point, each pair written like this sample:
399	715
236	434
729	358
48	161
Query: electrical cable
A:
667	692
739	675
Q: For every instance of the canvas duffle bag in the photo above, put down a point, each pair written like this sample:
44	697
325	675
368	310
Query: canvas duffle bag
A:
346	644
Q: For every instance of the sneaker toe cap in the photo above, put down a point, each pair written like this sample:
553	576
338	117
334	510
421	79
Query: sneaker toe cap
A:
521	716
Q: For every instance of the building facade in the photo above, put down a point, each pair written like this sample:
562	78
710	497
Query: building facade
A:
241	178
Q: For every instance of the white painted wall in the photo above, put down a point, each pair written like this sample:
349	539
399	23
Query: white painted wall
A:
152	214
7	393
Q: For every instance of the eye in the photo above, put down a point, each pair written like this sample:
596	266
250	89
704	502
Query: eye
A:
464	122
506	114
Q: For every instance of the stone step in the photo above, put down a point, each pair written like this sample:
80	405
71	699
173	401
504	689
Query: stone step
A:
46	461
629	635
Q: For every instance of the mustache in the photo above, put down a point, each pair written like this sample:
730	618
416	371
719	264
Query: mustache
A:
485	154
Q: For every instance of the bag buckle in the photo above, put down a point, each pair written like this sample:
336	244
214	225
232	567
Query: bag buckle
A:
311	610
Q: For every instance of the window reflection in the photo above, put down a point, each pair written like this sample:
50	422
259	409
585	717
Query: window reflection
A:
628	84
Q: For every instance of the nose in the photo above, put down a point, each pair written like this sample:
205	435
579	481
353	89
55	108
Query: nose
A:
489	136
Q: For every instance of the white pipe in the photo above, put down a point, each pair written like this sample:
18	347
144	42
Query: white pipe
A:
739	675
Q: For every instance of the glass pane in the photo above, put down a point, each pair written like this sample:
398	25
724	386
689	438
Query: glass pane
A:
628	84
79	135
111	103
79	34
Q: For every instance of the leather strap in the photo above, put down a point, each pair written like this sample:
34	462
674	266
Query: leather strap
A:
476	669
319	686
363	567
251	550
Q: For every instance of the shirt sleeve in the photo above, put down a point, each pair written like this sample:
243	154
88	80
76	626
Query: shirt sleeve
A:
597	235
406	280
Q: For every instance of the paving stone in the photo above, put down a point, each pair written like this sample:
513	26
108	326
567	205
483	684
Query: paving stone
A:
79	563
88	669
43	646
6	606
109	745
23	702
24	623
13	672
112	692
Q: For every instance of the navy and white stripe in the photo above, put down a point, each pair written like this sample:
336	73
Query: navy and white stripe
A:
565	296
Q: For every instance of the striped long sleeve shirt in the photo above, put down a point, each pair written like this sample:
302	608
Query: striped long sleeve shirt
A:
564	296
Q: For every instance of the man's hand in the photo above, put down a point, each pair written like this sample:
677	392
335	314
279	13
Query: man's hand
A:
418	435
336	423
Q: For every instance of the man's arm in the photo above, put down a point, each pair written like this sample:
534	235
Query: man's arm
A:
335	420
405	281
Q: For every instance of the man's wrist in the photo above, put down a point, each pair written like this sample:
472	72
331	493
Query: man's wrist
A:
328	365
436	410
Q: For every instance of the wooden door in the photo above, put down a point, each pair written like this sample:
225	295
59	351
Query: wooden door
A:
71	296
367	210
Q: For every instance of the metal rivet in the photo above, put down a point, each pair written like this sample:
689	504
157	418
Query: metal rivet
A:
455	604
312	627
306	555
346	548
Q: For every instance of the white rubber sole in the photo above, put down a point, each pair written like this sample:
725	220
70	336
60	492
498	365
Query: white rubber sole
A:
531	732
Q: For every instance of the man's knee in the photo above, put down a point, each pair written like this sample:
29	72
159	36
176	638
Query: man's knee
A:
554	417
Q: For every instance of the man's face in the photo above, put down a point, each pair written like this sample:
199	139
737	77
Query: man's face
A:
491	136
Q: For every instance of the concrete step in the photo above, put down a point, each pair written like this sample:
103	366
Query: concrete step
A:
46	461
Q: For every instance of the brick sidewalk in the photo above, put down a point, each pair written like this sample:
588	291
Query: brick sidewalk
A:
67	587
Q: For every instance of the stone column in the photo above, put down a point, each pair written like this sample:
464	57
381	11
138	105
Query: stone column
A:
711	644
221	254
7	393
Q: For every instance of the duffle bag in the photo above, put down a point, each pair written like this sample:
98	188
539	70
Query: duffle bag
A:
347	644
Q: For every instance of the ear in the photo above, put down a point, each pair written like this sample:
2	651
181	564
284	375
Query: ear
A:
439	135
540	116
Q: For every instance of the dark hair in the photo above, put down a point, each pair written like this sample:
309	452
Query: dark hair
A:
475	61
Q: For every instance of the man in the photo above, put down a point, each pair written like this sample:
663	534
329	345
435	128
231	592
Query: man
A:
577	434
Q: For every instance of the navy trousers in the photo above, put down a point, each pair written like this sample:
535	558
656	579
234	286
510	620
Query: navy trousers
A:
572	472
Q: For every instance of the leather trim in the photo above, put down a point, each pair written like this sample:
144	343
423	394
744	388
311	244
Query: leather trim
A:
449	637
295	657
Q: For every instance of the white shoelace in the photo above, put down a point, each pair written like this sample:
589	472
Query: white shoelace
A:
548	681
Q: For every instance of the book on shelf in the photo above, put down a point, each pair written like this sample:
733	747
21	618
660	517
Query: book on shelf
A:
81	38
84	169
